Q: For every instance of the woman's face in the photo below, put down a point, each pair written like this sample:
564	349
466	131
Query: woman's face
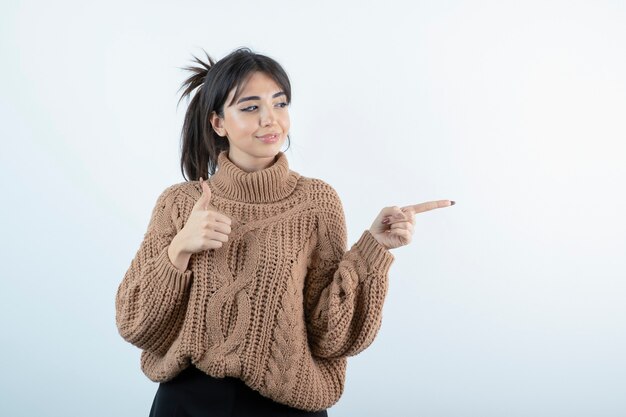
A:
261	109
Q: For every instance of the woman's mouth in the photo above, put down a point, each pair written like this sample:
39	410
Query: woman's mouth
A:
271	138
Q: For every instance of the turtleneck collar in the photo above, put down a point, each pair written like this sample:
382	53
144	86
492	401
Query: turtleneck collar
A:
264	186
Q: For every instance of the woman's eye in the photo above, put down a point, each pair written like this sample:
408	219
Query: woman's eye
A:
251	108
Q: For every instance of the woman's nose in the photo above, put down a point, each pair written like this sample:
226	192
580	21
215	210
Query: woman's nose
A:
267	117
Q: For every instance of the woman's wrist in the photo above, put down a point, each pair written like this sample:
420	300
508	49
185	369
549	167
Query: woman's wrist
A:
178	257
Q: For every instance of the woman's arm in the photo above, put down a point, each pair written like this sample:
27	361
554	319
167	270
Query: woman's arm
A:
152	298
344	290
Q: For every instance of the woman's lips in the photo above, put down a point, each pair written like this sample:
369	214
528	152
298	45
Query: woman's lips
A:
270	138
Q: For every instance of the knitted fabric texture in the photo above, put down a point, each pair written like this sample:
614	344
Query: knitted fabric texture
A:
281	305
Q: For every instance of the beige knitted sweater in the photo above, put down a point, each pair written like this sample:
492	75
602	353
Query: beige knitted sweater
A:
280	305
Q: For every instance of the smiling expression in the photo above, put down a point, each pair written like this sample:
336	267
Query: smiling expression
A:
256	125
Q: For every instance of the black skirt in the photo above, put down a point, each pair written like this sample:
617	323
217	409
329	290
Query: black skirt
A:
193	393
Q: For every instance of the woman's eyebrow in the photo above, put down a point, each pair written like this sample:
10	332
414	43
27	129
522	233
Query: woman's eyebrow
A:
280	93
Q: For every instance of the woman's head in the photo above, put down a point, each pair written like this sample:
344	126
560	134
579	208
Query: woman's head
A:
217	119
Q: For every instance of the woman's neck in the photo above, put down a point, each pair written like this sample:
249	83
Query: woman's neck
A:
249	163
265	185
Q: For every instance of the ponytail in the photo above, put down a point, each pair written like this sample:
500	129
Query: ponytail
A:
200	145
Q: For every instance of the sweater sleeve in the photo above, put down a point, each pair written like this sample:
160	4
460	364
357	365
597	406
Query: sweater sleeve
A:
151	300
344	290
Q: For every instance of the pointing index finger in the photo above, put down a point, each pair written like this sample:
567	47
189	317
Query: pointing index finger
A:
429	205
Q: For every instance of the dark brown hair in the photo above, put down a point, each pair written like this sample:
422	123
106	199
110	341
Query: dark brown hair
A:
200	144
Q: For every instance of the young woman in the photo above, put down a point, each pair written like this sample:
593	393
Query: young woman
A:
242	295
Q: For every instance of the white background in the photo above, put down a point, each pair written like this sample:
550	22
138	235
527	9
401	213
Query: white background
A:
510	303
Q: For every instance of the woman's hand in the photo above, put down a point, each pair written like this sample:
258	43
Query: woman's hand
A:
394	225
205	228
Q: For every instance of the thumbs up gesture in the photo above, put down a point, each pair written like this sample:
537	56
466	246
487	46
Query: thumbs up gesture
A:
205	228
394	225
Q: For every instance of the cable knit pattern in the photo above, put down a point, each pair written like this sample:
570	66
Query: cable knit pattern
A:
281	305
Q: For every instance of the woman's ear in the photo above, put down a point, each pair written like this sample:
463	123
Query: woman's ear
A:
216	123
